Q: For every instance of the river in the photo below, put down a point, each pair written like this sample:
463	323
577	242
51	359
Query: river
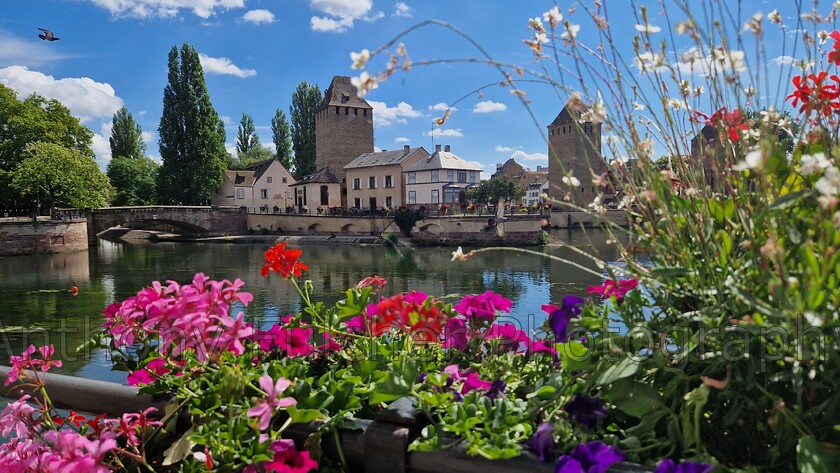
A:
39	306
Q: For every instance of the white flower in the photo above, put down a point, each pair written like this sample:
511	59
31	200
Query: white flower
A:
698	91
753	160
648	28
835	219
597	206
684	27
553	17
597	112
676	104
754	23
649	61
638	106
829	184
360	59
626	201
364	84
571	33
813	163
571	181
775	17
458	255
536	25
823	36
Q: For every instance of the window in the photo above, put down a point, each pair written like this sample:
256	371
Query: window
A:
434	175
240	193
450	176
473	177
462	176
372	182
389	202
450	196
412	178
263	193
285	180
412	197
337	110
372	202
389	182
357	184
268	180
435	196
357	203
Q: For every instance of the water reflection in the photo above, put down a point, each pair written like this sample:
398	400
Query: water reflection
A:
40	308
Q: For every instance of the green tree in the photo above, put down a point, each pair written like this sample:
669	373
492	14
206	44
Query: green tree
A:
126	136
490	191
192	139
246	137
34	119
61	177
134	180
305	101
281	134
244	160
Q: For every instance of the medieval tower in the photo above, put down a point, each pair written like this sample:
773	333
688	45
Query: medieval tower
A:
343	129
575	146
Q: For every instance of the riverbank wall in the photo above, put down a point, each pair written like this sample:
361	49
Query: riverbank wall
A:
28	236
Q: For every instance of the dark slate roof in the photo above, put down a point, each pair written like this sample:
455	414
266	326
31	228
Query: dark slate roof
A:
708	132
510	163
566	116
384	158
321	176
241	178
342	93
260	168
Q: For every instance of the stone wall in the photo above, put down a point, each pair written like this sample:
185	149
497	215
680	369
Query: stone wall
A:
44	236
578	219
320	225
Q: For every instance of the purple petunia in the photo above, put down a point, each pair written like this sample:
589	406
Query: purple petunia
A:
560	316
592	457
585	410
542	443
668	466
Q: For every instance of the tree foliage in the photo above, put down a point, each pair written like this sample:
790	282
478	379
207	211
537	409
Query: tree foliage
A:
34	119
51	173
249	158
305	101
282	136
126	136
490	191
192	138
246	136
134	180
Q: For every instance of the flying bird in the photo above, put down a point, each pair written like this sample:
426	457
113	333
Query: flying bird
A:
47	35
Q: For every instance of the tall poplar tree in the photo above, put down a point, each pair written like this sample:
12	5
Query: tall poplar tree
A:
246	137
305	101
192	139
282	137
126	136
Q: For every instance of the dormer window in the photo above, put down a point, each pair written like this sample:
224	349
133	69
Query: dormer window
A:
345	98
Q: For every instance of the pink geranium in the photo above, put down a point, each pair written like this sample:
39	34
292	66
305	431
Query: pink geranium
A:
483	307
615	288
265	407
510	338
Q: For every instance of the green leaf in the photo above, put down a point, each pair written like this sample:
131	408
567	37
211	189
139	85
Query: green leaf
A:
303	416
179	450
623	369
634	398
574	355
545	392
813	457
788	199
394	387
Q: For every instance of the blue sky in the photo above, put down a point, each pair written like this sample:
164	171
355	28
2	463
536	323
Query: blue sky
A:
255	52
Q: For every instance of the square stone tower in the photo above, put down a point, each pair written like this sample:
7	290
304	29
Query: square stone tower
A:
575	146
343	129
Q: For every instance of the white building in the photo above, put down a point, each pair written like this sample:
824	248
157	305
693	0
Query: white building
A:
442	178
534	192
261	187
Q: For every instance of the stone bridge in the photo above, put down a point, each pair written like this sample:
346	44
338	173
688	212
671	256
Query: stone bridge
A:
188	220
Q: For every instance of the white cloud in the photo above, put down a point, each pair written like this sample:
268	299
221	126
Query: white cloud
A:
781	60
383	115
17	51
101	146
86	98
401	9
523	156
486	169
401	139
489	106
451	132
258	16
503	149
141	113
442	107
148	136
340	14
223	65
166	8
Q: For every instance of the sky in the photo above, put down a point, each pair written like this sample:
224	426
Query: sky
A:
255	52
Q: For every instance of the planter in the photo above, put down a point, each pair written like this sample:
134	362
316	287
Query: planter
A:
372	446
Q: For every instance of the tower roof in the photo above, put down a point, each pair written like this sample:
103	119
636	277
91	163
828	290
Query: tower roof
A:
566	115
341	93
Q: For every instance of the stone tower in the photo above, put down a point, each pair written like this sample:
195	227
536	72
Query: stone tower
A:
343	129
574	146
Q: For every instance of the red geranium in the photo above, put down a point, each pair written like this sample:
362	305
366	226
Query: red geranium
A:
834	55
282	261
815	94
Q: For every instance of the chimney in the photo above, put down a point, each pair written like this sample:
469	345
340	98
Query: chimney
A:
446	148
498	166
437	148
406	149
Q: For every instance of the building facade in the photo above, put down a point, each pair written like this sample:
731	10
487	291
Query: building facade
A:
574	146
262	187
318	192
442	178
534	192
376	180
343	129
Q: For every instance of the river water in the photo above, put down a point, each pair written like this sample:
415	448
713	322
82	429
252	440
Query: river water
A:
38	306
